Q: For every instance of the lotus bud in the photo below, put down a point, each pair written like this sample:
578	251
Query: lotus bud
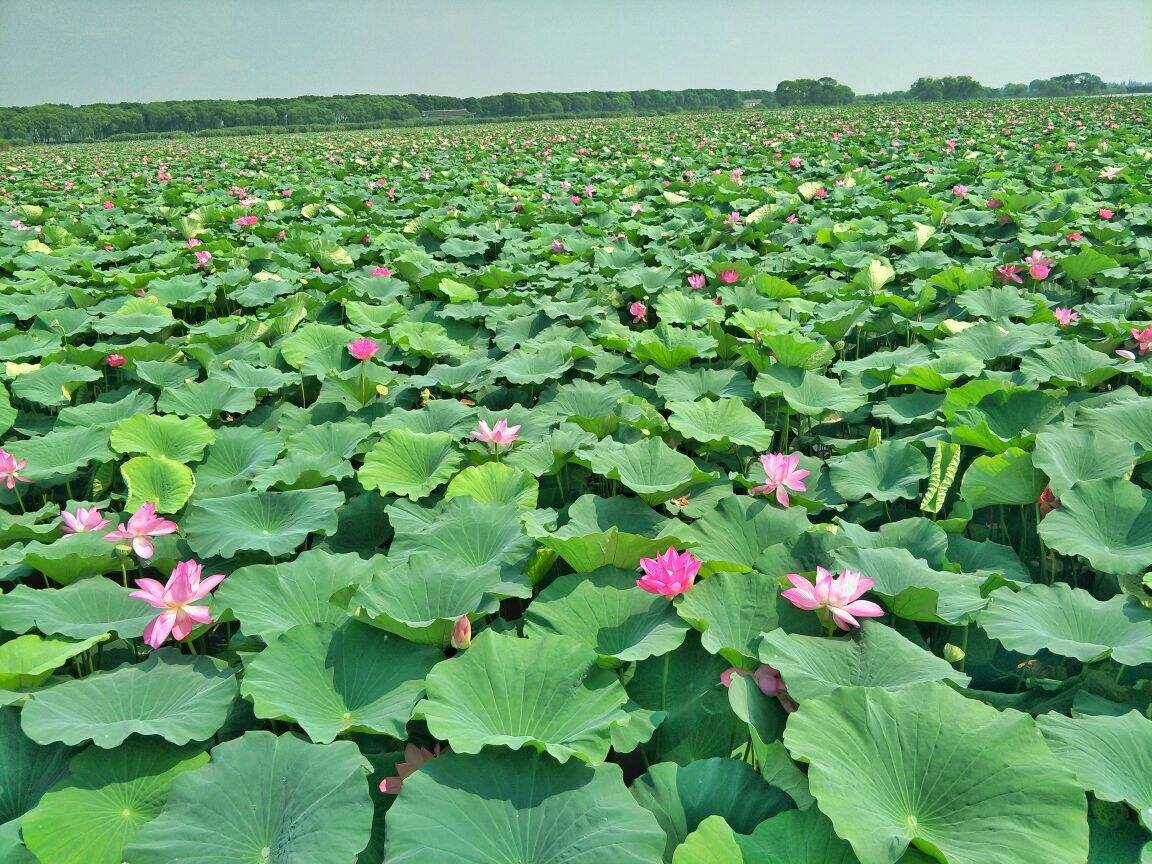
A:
953	653
462	633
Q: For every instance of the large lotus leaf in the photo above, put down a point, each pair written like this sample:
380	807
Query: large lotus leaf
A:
672	347
1001	301
76	556
736	532
315	455
605	611
688	385
1069	455
677	307
1129	418
874	656
1001	478
1070	622
439	415
681	797
317	349
238	455
947	775
332	680
206	399
911	589
410	463
1068	364
536	365
60	453
887	472
808	392
262	799
164	482
608	532
27	770
175	696
922	537
720	423
108	409
29	660
731	611
107	795
713	842
495	483
1109	522
989	340
648	467
272	522
1111	756
180	438
1004	418
498	807
546	693
90	607
53	384
270	599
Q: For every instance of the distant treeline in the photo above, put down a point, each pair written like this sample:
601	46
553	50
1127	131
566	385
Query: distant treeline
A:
65	123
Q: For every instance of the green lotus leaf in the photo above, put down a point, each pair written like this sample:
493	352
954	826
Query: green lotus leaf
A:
1069	455
946	775
182	439
95	811
315	455
888	472
736	532
688	385
1002	478
206	399
238	455
911	589
605	611
61	453
807	392
1000	302
720	423
272	522
165	482
1129	418
175	696
52	385
317	349
495	483
1086	263
732	611
27	769
1068	364
90	607
1070	622
497	807
29	660
107	410
648	467
608	532
263	796
713	842
676	307
1109	522
545	693
409	463
672	347
537	365
7	412
1003	419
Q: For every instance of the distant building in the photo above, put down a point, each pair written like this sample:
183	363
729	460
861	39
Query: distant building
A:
448	112
751	103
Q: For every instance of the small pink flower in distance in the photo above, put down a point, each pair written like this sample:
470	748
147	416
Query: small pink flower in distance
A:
10	467
729	277
84	519
638	311
696	281
176	597
281	234
203	258
795	162
363	349
500	433
557	246
193	243
834	599
1109	173
1047	502
108	247
565	185
993	203
382	272
635	208
782	475
1105	213
960	191
1038	265
669	574
1008	273
821	192
736	174
1074	236
115	361
1065	316
285	193
1125	354
462	633
18	225
792	220
589	190
246	221
414	757
141	528
108	205
733	218
1143	339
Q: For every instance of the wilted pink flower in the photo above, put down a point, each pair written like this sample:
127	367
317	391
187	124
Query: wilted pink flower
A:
143	526
589	190
696	281
993	203
834	599
1038	265
729	277
1007	273
414	757
281	234
84	519
500	433
246	221
557	246
18	225
115	360
960	191
1105	213
176	597
669	574
9	468
782	475
108	205
1065	316
1143	338
1109	173
1047	502
363	349
638	311
462	633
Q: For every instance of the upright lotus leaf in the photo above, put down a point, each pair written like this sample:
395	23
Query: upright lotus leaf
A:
603	532
802	837
410	463
1070	455
809	392
206	399
681	797
29	660
182	439
945	462
335	679
90	607
317	349
497	807
95	811
496	483
27	770
605	611
175	696
1129	418
272	522
720	423
688	385
270	599
60	453
1109	522
713	842
734	534
1002	478
873	656
913	590
648	467
1070	622
53	384
1111	756
316	455
545	693
165	482
947	775
1068	364
672	347
263	798
732	611
888	472
76	556
1003	419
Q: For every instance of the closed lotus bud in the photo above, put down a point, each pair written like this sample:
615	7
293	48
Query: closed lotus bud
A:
462	633
953	653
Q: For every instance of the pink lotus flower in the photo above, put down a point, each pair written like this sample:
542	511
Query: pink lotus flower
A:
557	246
500	433
84	519
1109	173
1125	354
108	205
638	311
960	191
782	475
834	599
462	633
9	468
1047	502
696	281
1007	273
1143	338
729	277
363	349
669	574
733	218
1074	236
141	528
1038	265
1065	316
176	597
993	203
795	162
192	243
414	757
821	192
792	219
633	209
382	272
203	258
769	682
246	221
1105	213
115	361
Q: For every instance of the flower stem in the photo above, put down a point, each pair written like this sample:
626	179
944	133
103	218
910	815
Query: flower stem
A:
123	572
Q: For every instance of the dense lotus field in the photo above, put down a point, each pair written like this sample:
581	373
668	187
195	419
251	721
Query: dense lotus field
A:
765	488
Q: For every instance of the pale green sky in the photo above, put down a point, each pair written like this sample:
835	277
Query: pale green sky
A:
137	50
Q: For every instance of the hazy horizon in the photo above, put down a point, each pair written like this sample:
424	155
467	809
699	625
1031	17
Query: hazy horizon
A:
156	50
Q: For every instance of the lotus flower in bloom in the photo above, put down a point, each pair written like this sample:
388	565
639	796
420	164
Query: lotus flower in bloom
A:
1105	213
363	349
1074	236
500	433
1038	266
115	361
1065	316
414	757
960	190
1109	173
1143	339
141	528
108	205
192	243
462	633
176	598
557	246
1007	273
382	272
246	221
203	258
696	281
782	476
769	682
669	574
729	277
9	468
638	311
795	162
834	599
84	519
